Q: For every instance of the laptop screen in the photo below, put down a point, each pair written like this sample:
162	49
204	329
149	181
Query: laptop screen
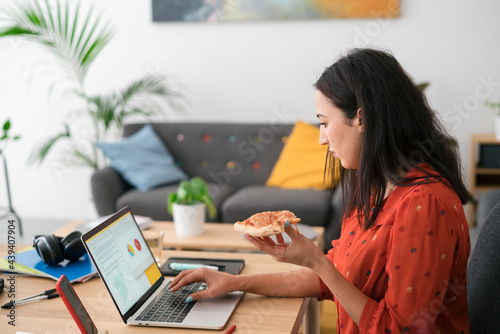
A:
123	259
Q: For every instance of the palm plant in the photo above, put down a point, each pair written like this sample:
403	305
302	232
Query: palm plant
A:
76	40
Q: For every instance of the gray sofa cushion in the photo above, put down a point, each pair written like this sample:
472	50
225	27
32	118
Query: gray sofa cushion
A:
312	206
154	202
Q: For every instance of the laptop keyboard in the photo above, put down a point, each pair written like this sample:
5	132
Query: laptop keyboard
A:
171	306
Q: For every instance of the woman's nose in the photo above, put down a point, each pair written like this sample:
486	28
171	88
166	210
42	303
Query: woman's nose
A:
323	140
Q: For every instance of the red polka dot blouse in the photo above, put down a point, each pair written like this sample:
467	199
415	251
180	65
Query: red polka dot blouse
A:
411	264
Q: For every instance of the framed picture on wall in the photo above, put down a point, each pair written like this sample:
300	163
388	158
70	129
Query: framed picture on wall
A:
259	10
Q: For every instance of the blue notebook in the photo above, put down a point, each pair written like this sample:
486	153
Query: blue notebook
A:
74	271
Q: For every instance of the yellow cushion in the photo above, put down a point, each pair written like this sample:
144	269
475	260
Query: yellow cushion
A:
301	163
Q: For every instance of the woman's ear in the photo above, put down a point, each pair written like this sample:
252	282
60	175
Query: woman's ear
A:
358	120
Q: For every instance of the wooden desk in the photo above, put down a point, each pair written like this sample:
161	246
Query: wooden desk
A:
218	236
254	314
215	237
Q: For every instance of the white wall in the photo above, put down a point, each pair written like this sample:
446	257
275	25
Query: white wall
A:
247	72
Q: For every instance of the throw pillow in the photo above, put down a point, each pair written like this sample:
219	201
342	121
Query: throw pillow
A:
301	163
143	160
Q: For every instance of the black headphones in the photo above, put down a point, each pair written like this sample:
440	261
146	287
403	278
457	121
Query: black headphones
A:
54	249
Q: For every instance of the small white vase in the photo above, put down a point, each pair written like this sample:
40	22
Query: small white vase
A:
188	219
497	127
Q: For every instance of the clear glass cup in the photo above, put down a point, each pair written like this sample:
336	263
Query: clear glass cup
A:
154	239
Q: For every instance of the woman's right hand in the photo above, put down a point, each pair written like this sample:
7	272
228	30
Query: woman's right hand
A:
218	283
301	251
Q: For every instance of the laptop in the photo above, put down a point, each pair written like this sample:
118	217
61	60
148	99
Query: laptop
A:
138	288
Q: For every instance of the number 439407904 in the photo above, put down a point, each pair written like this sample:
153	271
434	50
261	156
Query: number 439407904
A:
11	241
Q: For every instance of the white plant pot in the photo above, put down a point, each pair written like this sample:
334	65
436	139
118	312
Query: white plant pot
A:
497	127
188	219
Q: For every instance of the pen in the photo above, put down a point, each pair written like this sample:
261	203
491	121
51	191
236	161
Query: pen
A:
45	293
231	329
34	299
86	278
184	266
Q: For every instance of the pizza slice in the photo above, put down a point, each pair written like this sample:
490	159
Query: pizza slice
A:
266	223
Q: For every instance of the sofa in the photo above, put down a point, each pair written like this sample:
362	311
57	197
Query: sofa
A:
235	160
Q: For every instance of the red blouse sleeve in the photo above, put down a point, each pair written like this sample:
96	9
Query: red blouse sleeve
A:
420	256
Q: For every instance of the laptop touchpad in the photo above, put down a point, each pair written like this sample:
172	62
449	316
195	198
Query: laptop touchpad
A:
217	304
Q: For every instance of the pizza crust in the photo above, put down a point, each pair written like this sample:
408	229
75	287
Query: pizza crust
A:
266	223
266	231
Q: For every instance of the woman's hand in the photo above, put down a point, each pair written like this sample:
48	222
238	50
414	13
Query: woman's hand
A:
300	251
218	283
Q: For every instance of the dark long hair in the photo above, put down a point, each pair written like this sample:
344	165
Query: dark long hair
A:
400	130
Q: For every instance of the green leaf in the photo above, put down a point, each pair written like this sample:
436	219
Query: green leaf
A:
199	187
171	200
100	42
17	31
39	155
83	29
49	12
66	21
105	110
124	113
184	192
82	159
83	51
6	125
41	16
59	15
75	22
212	211
153	85
32	16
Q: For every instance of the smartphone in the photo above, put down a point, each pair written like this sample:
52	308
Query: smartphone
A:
75	306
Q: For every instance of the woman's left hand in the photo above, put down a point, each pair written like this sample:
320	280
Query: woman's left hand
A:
300	251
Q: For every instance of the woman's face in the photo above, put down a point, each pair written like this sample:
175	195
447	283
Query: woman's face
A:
342	135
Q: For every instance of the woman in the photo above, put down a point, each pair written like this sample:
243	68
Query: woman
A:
400	263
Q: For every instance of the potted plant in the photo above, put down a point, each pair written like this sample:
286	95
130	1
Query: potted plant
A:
188	205
497	118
